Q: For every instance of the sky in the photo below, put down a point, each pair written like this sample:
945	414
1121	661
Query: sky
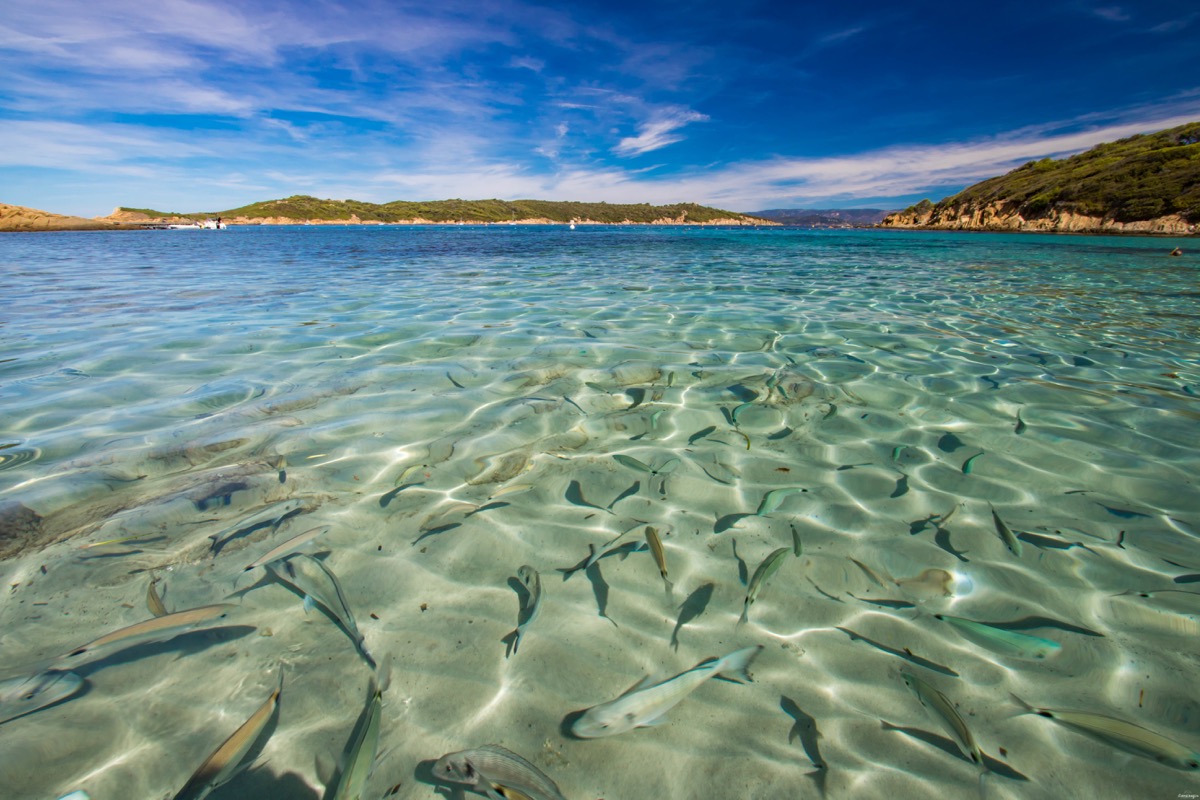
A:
207	105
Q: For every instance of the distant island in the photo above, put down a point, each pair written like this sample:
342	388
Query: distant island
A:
824	217
302	209
305	210
1144	184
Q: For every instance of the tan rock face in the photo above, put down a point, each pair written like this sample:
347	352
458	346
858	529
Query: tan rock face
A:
19	218
1003	217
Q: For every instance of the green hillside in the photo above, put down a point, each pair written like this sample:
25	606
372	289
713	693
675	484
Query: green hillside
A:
1139	178
303	207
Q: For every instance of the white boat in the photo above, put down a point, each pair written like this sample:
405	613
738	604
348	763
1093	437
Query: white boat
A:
206	225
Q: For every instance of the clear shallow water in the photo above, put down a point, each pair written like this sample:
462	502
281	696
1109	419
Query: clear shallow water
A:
448	401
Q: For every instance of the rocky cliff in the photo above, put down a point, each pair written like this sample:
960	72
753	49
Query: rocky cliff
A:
1001	216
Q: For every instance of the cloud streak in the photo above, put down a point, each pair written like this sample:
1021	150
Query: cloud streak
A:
658	133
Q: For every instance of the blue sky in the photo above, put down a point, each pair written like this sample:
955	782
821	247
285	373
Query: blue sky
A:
194	105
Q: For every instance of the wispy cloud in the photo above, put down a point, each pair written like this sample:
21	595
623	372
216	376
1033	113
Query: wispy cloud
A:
659	132
1112	13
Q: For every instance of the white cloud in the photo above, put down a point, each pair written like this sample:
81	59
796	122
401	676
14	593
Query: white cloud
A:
1112	13
658	133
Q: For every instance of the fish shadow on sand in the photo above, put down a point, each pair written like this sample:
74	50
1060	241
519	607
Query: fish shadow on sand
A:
743	570
565	727
184	644
804	728
728	521
263	784
904	654
946	745
692	607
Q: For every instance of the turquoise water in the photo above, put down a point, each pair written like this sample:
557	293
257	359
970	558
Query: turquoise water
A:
448	402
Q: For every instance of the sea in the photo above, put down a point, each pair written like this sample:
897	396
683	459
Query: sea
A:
294	512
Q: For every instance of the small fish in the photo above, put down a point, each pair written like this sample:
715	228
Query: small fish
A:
157	628
1120	734
632	463
1049	542
408	472
655	417
797	546
608	547
499	773
660	557
870	573
1010	540
226	760
1002	641
24	695
317	584
288	546
512	488
78	794
738	410
942	712
270	517
969	464
765	570
532	581
773	499
153	601
646	705
359	755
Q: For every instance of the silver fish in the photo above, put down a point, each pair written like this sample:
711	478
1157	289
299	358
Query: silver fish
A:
660	557
646	704
532	581
272	516
359	756
773	499
765	570
1121	734
942	712
498	773
288	546
157	628
226	760
1001	640
1010	540
153	600
24	695
317	583
612	544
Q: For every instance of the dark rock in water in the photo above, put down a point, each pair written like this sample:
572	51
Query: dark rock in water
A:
19	526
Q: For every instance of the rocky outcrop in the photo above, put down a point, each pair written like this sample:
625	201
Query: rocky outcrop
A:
20	218
1006	217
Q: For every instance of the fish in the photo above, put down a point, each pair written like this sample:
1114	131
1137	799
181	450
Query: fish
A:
288	546
1121	734
157	628
1002	641
153	601
647	705
359	756
765	570
1010	540
969	464
270	517
660	557
870	573
226	760
408	472
532	602
943	713
317	584
737	411
26	694
632	463
608	547
498	773
797	545
773	499
932	582
78	794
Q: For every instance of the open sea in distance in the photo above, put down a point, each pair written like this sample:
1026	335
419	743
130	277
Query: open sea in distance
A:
948	479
